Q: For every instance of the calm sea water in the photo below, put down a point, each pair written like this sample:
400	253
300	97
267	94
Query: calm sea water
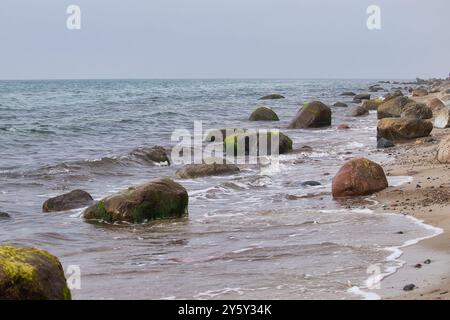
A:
253	235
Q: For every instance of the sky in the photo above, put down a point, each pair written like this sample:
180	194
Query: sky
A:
224	39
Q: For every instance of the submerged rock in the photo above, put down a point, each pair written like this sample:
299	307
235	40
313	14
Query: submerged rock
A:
73	200
383	143
273	96
159	199
358	177
156	154
362	96
192	171
312	115
417	111
264	114
403	128
348	93
31	274
393	107
311	184
340	105
4	215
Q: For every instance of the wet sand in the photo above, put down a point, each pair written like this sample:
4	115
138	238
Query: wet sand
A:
427	198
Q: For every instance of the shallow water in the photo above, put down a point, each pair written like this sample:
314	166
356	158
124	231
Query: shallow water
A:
257	234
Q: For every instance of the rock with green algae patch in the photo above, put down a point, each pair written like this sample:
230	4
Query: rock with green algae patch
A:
31	274
250	142
158	199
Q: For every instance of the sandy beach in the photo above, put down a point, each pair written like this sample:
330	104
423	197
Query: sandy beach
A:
426	198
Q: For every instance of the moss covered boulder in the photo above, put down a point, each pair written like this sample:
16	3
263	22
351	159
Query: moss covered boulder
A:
253	142
417	110
393	107
372	104
159	199
273	96
312	115
72	200
31	274
403	128
358	177
192	171
264	114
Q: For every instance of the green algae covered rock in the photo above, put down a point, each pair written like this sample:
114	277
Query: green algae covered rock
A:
253	139
31	274
159	199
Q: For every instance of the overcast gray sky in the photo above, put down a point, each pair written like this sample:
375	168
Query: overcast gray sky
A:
224	39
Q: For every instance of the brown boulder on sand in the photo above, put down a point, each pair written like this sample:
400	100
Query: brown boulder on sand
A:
191	171
263	114
312	115
158	199
393	107
73	200
418	111
436	104
358	177
403	128
443	155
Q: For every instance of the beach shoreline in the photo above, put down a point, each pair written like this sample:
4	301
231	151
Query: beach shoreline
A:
426	199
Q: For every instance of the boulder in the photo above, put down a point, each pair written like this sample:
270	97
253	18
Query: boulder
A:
358	111
192	171
392	95
273	96
362	96
31	274
383	143
419	92
340	105
403	128
312	115
263	114
357	100
443	154
72	200
348	94
358	177
393	107
417	111
159	199
436	105
375	88
372	104
251	141
442	118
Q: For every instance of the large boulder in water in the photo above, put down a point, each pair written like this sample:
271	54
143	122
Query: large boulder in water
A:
273	96
159	199
443	154
312	115
358	111
417	111
4	215
403	128
31	274
264	114
358	177
393	107
251	140
192	171
155	154
72	200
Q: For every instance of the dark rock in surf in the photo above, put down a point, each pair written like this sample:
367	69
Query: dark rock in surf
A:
158	199
383	143
264	114
31	274
312	115
192	171
362	96
340	105
311	184
68	201
273	96
348	94
4	215
155	154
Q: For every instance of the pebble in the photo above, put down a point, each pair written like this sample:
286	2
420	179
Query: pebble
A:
409	287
